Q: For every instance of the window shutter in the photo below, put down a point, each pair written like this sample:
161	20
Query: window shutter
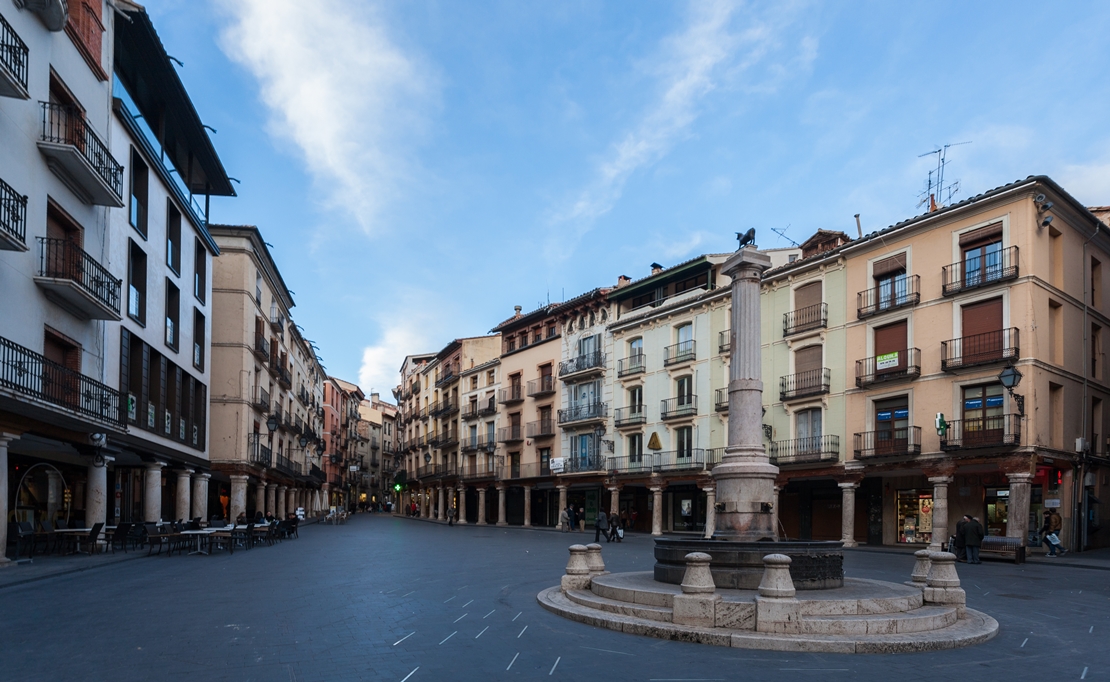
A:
986	234
807	359
980	318
808	295
890	339
890	265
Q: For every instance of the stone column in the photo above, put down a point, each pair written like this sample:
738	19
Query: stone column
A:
53	495
5	440
152	492
291	500
501	506
710	511
527	506
614	503
279	511
200	497
1017	522
775	510
325	497
260	497
656	510
481	506
271	500
238	503
442	503
745	477
184	501
460	518
96	492
940	511
562	501
848	513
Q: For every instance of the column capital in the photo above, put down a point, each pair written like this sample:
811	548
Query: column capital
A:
615	488
204	476
500	487
941	480
239	477
528	486
154	466
710	490
848	485
1020	477
270	486
7	437
280	487
656	488
562	486
185	472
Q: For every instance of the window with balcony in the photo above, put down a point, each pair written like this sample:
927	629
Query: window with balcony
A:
701	280
635	448
200	271
684	442
892	420
807	429
198	339
983	261
173	314
136	283
173	237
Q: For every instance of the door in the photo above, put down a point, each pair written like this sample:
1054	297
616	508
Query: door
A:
982	332
983	421
890	349
807	429
982	255
588	345
892	421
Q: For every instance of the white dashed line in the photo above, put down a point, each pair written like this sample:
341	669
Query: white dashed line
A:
1023	643
1091	630
461	617
489	614
557	659
448	600
468	603
410	674
1084	675
513	661
407	594
522	632
480	633
404	638
449	636
517	616
608	651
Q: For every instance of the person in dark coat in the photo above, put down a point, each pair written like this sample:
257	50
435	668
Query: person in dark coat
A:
958	544
973	540
601	527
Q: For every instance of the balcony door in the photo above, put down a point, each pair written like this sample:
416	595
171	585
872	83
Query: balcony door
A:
890	281
892	421
59	376
684	390
982	255
807	429
890	349
584	396
982	332
588	345
983	422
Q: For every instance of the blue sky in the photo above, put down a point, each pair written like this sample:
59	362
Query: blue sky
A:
422	167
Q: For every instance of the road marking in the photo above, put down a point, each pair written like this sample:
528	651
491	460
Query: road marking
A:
522	632
559	658
1091	630
448	600
1046	615
449	636
986	593
407	594
404	638
516	616
608	651
468	603
1023	643
1084	675
837	670
513	661
488	614
461	617
410	674
480	633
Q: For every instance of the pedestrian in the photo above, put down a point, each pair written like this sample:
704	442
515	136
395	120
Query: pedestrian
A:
451	516
624	519
616	532
973	539
1048	534
961	548
601	526
632	519
581	520
564	520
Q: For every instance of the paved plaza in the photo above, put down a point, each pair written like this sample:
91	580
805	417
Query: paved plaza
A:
384	598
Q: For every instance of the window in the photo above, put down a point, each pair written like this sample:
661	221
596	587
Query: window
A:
982	255
1096	283
491	378
136	283
807	429
807	296
60	385
588	345
692	283
644	299
510	344
982	414
173	237
892	421
198	339
791	258
258	288
474	382
200	271
636	399
1096	351
550	330
890	281
635	348
139	182
635	448
685	333
173	303
684	390
684	439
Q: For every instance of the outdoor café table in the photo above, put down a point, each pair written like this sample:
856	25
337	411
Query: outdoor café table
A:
199	534
80	532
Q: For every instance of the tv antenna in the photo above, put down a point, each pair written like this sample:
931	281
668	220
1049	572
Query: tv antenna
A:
782	233
935	189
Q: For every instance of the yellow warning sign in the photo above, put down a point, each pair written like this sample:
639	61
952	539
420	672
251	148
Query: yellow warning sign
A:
653	442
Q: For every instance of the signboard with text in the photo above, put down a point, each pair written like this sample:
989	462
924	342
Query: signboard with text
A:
886	361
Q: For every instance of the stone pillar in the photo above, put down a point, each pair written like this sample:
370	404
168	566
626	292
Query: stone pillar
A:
442	503
279	510
96	492
200	497
848	513
501	506
776	607
940	511
5	440
460	518
152	492
184	501
614	504
745	477
562	502
271	499
1017	523
656	510
482	506
578	571
238	503
697	605
290	500
710	511
260	497
527	506
53	495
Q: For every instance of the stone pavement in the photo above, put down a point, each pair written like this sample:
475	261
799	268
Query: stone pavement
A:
384	598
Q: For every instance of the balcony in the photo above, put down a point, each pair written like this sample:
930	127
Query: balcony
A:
999	431
720	400
13	219
805	319
13	63
31	375
447	408
448	375
900	442
512	394
980	271
283	377
693	459
481	443
581	414
478	471
582	464
587	363
518	471
316	473
544	386
901	293
470	412
629	416
299	425
979	349
489	408
447	439
79	158
805	450
713	457
541	428
896	366
257	452
510	434
677	408
74	280
809	383
684	351
286	466
724	341
633	364
261	347
261	400
302	395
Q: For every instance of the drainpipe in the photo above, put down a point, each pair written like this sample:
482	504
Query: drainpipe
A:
1079	509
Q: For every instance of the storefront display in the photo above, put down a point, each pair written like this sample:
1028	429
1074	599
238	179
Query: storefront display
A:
915	516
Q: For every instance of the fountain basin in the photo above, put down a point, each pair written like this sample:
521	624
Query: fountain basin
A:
739	565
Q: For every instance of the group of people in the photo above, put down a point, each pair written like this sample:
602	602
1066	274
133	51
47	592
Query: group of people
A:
611	527
970	533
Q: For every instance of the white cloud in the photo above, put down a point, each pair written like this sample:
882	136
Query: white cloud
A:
381	362
339	88
1089	183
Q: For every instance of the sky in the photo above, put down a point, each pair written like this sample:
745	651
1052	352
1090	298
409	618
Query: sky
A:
421	167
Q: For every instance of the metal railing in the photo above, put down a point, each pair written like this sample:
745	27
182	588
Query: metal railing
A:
257	452
13	212
470	411
982	432
447	439
693	459
713	457
902	364
720	400
541	428
490	407
584	412
63	124
582	363
62	259
979	349
483	443
512	394
13	52
283	377
889	442
316	473
724	341
447	375
302	395
682	351
983	270
899	293
262	399
805	450
629	416
510	434
633	364
545	385
682	406
261	346
810	382
814	316
525	470
588	463
24	371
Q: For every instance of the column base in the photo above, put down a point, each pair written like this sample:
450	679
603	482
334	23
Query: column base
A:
5	562
849	543
502	523
527	524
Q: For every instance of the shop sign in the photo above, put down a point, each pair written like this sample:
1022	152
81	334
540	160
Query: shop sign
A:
883	416
994	401
901	414
1052	504
886	361
556	465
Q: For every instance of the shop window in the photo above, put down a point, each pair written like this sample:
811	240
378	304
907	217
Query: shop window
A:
915	516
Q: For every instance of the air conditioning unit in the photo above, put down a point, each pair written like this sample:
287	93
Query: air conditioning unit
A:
1080	444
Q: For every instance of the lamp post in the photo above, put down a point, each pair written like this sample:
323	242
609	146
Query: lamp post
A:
1010	377
272	423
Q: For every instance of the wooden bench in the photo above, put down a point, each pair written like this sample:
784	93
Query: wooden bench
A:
999	544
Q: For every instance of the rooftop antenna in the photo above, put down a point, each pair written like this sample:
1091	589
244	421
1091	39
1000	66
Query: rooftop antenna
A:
934	185
782	233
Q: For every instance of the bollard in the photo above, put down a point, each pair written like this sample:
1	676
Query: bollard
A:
594	561
578	571
697	605
920	568
776	609
776	581
943	583
698	579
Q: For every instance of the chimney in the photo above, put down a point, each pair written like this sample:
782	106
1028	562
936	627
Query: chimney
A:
517	309
623	281
374	397
859	228
656	268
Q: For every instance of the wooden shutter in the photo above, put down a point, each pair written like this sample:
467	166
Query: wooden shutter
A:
807	295
984	235
807	359
980	318
890	265
890	338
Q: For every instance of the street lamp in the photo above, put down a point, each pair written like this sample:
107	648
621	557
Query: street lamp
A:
1010	377
272	423
303	440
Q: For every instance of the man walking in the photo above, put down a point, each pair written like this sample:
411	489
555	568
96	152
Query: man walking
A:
958	544
451	516
601	527
973	539
1053	529
564	520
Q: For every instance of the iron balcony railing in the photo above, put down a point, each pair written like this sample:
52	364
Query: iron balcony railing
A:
545	385
582	363
63	124
541	428
62	259
683	351
316	473
979	349
585	463
805	450
814	316
720	400
257	451
302	395
447	439
902	364
675	408
261	347
283	377
13	52
631	464
808	383
583	412
26	372
523	470
470	411
262	399
447	375
724	341
13	213
490	407
633	364
894	442
629	416
981	270
692	459
510	434
469	443
512	394
891	295
478	471
1001	430
713	457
